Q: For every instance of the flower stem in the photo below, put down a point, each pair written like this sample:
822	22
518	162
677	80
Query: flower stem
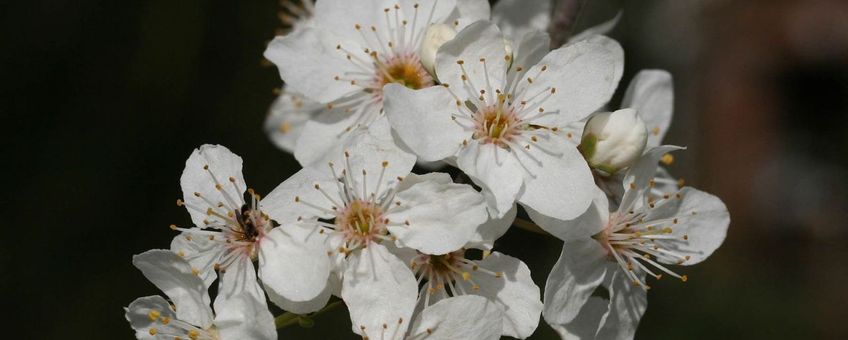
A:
530	226
288	318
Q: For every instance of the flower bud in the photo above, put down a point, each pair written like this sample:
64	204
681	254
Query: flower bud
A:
434	38
613	140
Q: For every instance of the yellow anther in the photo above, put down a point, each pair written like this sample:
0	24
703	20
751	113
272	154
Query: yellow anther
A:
655	131
153	315
152	331
466	276
385	164
667	159
180	253
195	271
179	202
684	278
499	274
165	320
173	227
193	334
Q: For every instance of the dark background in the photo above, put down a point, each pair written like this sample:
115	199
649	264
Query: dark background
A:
102	102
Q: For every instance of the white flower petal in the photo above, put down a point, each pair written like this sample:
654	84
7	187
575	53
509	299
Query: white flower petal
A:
473	10
580	269
600	29
297	197
375	163
309	62
627	305
514	291
324	137
243	317
637	178
423	120
238	278
561	185
584	74
517	17
173	276
587	224
286	118
488	232
200	252
701	217
340	16
293	264
496	171
140	315
480	40
378	289
207	167
442	216
652	95
532	47
589	321
462	317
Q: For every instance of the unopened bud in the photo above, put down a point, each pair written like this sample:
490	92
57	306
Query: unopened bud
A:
613	140
434	38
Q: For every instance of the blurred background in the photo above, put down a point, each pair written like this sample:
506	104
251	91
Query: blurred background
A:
102	102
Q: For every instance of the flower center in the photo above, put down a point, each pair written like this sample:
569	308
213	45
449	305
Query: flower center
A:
361	222
252	225
404	69
451	272
497	124
637	245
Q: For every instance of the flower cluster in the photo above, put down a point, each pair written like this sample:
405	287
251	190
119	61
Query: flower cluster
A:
374	88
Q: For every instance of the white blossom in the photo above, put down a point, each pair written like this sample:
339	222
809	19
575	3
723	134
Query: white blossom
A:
368	198
618	249
231	233
190	317
503	279
499	122
346	56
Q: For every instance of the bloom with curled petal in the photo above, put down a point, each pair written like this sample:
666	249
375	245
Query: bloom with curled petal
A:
346	56
190	317
500	278
368	198
230	233
617	250
500	121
